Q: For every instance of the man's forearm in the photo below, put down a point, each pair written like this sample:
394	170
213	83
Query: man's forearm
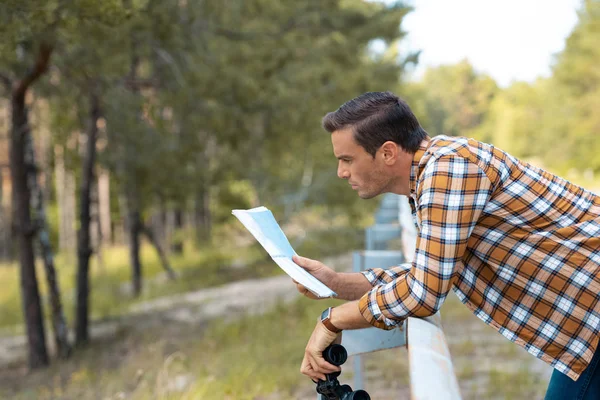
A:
351	286
348	316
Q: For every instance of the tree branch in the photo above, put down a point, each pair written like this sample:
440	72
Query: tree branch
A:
41	66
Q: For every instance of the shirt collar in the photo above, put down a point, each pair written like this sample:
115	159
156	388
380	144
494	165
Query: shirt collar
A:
414	169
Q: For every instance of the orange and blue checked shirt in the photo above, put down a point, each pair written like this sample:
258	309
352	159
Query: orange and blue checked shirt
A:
519	246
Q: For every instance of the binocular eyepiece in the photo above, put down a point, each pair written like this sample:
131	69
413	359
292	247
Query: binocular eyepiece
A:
330	388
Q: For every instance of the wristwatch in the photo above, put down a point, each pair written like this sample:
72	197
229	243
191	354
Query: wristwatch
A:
326	320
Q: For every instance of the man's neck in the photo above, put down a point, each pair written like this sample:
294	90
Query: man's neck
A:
414	168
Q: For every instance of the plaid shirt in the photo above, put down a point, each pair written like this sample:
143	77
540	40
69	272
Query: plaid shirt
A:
519	246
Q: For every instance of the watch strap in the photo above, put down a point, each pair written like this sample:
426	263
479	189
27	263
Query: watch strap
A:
325	319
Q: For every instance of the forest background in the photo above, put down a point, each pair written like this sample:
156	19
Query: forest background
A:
130	129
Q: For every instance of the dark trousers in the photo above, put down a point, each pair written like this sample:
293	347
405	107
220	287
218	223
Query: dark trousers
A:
587	387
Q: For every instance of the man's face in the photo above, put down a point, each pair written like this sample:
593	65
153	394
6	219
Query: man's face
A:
367	175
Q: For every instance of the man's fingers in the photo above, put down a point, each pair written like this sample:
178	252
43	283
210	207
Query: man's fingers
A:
304	262
324	366
317	370
318	363
301	288
308	370
304	291
304	366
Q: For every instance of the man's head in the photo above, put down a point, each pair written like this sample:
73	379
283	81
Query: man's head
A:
374	137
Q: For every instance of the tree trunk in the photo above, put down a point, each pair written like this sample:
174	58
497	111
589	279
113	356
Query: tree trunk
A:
94	222
201	208
176	242
60	184
134	225
131	192
121	228
63	348
104	206
84	250
65	197
6	235
4	224
158	226
202	214
95	228
24	229
147	231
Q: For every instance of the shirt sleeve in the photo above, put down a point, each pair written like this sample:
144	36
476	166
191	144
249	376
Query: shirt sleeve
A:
380	276
450	199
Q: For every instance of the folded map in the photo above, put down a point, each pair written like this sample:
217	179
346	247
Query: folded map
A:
263	226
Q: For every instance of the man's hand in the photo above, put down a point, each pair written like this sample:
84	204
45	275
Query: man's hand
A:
314	365
317	269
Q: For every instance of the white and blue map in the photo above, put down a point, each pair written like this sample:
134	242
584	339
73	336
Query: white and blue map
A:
262	225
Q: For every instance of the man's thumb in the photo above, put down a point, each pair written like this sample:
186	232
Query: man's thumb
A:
302	261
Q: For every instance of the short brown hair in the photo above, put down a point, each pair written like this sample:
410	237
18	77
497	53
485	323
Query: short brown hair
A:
375	118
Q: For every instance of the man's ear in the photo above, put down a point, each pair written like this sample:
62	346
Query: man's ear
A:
389	152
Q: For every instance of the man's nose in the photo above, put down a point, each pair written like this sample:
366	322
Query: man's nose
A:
343	173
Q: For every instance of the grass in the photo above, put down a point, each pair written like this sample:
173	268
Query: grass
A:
255	357
516	384
252	357
258	355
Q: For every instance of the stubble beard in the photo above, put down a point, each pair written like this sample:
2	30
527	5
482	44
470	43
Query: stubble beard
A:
378	185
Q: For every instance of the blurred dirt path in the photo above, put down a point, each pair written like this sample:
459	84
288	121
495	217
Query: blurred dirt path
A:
232	300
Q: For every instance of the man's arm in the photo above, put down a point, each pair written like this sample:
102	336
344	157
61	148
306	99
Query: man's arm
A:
346	316
451	198
348	285
351	285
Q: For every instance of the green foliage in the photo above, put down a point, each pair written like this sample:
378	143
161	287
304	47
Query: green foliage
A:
515	120
452	99
197	96
26	25
555	120
552	122
576	93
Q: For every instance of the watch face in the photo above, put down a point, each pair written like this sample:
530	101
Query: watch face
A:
325	314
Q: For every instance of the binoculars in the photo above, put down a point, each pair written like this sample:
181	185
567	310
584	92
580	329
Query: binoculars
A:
330	388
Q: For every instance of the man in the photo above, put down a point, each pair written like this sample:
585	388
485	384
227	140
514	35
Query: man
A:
519	246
